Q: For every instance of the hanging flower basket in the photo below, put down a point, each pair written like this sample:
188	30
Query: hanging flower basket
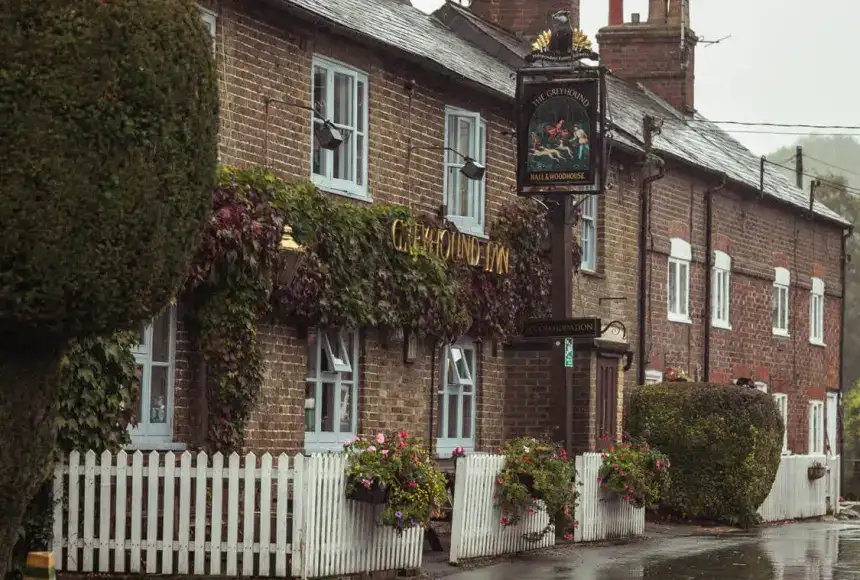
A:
374	493
815	471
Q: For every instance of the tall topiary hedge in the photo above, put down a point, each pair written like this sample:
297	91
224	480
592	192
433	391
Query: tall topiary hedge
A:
108	142
724	443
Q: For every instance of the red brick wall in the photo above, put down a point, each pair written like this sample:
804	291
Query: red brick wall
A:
524	17
758	235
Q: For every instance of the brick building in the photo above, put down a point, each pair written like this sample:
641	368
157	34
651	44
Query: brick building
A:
398	79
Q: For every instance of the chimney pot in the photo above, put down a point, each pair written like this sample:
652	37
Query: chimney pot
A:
657	11
616	12
634	18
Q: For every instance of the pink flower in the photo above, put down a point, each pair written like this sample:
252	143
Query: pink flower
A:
384	451
347	443
566	511
380	438
366	483
371	448
505	521
568	537
404	434
599	478
532	512
500	481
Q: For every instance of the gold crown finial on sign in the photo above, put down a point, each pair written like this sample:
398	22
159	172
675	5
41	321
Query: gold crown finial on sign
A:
579	42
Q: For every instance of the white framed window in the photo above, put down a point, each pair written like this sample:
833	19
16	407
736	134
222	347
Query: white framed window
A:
588	237
781	400
456	398
653	376
816	312
210	19
816	427
680	256
779	305
340	96
721	297
156	359
331	389
832	410
465	136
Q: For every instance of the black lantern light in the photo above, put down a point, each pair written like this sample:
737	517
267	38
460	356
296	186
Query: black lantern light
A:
291	255
473	170
328	136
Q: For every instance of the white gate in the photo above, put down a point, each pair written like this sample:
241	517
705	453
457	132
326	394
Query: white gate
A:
602	515
476	529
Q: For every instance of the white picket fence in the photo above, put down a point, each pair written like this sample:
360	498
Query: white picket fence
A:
602	515
341	536
476	529
163	514
793	496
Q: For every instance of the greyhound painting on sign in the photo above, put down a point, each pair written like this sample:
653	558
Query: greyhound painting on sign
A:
559	118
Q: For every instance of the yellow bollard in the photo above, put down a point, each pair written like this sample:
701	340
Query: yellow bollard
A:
40	566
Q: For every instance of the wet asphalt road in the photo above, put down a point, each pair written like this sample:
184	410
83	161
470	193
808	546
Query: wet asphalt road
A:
813	551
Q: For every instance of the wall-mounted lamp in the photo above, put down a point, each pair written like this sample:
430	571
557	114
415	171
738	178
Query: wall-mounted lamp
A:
410	347
291	254
471	169
328	135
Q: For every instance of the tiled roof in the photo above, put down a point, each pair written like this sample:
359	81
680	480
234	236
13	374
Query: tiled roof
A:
699	143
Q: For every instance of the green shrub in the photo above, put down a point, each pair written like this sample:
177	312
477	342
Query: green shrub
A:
724	443
109	145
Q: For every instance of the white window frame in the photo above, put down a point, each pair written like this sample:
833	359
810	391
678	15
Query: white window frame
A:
452	162
588	235
653	376
816	312
347	187
211	20
832	421
721	292
680	257
331	343
780	293
446	445
781	400
816	427
146	435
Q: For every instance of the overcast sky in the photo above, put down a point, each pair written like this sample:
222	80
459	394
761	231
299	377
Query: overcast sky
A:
786	61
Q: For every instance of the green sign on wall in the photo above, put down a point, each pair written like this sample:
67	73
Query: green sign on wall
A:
568	353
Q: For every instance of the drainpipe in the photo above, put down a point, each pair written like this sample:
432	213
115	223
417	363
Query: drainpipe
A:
847	233
709	258
430	440
645	194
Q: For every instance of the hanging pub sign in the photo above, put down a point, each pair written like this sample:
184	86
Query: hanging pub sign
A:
560	115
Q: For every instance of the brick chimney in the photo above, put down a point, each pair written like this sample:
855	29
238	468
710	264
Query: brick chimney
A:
659	53
526	18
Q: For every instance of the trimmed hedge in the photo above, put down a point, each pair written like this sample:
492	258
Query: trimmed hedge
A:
108	136
724	443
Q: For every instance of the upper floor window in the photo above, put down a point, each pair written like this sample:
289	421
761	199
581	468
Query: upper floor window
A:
209	18
781	400
816	312
465	137
781	283
680	256
588	239
155	358
721	297
457	398
331	390
340	96
816	427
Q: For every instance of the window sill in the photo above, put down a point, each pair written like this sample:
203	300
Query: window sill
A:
679	319
467	227
445	447
781	333
144	445
817	343
591	273
342	188
314	447
720	325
